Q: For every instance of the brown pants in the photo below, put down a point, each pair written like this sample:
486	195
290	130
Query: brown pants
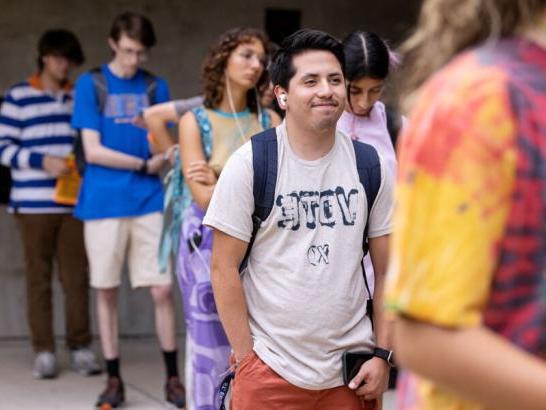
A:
59	238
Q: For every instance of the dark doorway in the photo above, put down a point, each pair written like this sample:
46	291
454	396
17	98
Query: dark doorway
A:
280	23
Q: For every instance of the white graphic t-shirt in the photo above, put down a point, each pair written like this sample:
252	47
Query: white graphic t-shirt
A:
303	284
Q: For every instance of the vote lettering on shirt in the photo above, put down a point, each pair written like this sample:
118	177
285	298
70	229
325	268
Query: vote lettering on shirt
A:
314	208
125	105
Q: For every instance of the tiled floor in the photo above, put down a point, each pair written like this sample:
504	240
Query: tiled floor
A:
142	370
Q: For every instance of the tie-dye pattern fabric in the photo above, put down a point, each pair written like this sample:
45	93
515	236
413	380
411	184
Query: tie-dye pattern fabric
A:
470	228
207	346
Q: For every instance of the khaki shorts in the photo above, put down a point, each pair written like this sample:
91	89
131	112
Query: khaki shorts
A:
108	240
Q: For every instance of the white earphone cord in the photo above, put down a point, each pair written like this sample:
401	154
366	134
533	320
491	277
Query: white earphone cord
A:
236	115
232	107
198	253
260	113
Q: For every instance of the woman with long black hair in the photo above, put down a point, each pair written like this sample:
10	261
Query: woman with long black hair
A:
368	64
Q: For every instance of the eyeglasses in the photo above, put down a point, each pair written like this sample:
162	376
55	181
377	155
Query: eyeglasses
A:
248	56
141	55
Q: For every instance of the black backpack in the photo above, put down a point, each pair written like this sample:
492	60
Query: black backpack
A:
101	91
394	124
5	184
264	162
5	181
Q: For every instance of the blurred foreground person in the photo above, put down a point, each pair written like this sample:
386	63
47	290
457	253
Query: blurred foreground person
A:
469	257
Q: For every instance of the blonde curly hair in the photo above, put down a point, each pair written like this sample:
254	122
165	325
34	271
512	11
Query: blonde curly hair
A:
446	27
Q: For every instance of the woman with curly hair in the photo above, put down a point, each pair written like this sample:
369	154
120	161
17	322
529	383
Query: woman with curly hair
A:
233	74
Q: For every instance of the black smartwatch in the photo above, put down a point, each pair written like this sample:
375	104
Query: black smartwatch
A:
386	355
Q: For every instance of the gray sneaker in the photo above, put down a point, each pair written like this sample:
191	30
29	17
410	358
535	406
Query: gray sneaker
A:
45	366
84	361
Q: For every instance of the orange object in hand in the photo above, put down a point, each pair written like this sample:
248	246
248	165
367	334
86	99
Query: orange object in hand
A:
68	186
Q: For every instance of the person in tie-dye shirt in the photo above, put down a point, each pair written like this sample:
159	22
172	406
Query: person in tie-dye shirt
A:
468	274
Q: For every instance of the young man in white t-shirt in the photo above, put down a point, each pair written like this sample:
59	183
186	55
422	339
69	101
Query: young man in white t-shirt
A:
301	300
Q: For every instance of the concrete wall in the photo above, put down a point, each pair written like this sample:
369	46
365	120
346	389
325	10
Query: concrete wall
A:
184	29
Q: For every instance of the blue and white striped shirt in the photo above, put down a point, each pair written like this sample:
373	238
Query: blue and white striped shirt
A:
34	123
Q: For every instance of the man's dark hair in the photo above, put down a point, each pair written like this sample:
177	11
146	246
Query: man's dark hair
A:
135	26
61	43
282	67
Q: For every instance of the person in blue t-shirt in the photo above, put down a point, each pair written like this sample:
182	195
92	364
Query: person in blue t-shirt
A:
121	197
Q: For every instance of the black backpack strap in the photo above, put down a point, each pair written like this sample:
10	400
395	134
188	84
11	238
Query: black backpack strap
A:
101	87
369	174
5	184
151	86
225	387
101	92
5	179
394	123
264	163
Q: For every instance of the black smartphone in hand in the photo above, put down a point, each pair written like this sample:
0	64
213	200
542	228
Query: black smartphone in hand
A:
351	362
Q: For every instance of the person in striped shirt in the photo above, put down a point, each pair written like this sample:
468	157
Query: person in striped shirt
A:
35	139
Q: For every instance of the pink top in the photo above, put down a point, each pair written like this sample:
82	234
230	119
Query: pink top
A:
371	129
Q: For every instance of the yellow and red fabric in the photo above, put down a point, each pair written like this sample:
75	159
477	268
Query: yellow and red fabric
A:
469	245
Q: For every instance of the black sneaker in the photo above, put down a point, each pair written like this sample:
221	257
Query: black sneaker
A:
113	395
175	394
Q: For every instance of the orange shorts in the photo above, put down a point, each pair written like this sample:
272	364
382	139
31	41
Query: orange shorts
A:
257	386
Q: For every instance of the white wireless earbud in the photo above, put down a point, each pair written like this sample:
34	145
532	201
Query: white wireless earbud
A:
282	100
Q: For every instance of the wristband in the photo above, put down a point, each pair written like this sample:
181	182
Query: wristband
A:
386	355
143	168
